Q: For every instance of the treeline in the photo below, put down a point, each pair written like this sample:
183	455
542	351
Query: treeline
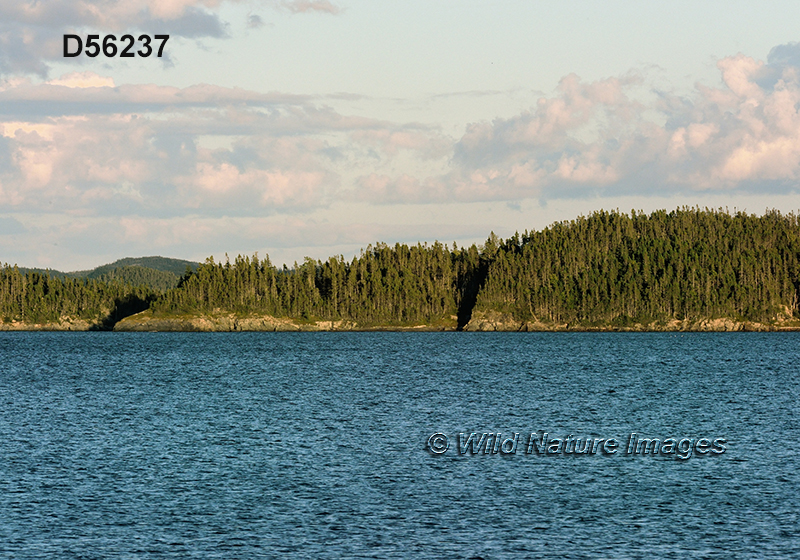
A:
609	268
158	280
383	285
35	297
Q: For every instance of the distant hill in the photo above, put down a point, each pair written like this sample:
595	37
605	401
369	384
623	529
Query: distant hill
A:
159	280
158	273
164	264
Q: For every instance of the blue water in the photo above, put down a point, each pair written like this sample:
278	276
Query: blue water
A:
313	445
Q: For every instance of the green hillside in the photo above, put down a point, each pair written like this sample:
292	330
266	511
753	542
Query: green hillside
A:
616	269
683	269
162	264
609	269
157	273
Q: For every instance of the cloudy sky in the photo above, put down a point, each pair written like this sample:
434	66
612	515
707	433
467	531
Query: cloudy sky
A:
314	127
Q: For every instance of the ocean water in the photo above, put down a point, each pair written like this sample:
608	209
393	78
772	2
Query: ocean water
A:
315	445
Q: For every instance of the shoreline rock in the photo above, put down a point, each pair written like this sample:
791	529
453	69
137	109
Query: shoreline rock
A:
493	321
65	324
229	322
481	321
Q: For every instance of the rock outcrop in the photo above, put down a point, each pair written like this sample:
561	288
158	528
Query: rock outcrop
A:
228	322
505	322
65	324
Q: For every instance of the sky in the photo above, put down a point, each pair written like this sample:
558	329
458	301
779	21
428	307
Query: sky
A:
313	128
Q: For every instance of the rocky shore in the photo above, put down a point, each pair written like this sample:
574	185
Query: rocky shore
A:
488	321
228	322
481	321
65	324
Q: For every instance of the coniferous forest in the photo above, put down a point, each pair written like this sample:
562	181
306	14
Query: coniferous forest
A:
34	298
607	270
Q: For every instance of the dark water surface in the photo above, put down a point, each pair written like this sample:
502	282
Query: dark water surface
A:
313	445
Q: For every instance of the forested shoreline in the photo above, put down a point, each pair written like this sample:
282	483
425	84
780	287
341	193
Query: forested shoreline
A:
608	271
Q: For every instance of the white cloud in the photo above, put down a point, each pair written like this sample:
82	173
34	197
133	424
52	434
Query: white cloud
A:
599	138
82	80
88	146
76	139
